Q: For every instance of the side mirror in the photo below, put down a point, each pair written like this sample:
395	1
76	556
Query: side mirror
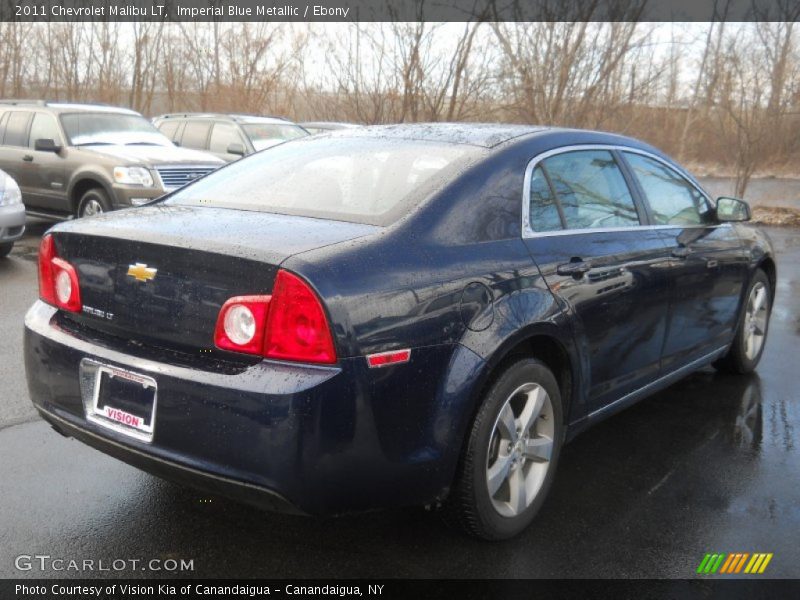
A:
732	209
236	149
46	145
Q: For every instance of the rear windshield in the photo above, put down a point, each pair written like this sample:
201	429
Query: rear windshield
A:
363	180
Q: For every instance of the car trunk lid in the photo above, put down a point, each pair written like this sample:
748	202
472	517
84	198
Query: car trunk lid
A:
161	274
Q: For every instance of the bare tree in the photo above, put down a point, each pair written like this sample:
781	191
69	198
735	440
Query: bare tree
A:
729	95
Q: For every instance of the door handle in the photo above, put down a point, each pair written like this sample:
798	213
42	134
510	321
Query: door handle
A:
681	252
27	158
576	268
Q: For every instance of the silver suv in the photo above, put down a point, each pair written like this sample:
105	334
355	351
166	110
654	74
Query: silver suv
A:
83	159
228	137
12	214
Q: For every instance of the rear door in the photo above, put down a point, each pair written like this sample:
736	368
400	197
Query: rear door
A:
707	265
46	172
583	229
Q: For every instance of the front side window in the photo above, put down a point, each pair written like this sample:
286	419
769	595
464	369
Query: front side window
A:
591	190
44	128
673	200
222	136
169	128
265	135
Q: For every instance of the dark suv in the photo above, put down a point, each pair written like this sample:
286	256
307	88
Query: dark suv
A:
82	159
228	137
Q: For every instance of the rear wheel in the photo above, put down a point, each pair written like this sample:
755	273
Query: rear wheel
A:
511	453
748	344
93	202
5	249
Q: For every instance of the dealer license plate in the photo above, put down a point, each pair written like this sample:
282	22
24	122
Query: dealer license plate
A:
124	401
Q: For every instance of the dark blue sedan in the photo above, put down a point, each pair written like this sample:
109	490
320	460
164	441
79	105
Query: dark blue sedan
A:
391	316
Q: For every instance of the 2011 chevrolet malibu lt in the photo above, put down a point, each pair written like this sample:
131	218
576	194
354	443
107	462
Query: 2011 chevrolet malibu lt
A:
399	315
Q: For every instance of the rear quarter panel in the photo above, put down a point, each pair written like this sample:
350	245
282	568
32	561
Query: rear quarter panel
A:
419	284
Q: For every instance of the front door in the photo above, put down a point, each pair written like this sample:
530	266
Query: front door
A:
46	177
707	269
585	235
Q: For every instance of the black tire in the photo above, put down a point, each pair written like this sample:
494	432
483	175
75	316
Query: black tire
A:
93	198
470	505
5	249
737	359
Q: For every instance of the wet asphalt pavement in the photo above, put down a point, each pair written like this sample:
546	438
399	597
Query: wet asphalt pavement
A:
711	464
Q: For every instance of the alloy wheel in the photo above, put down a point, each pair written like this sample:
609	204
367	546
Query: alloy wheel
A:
520	449
755	325
91	207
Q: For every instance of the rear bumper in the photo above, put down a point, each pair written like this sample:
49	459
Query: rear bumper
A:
12	222
294	438
249	494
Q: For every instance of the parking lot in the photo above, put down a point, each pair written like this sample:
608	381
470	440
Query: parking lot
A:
709	465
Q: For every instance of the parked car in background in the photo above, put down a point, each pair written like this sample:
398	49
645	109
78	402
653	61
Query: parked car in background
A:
12	214
314	127
392	316
228	137
84	159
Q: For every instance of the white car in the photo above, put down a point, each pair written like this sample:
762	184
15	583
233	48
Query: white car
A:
12	214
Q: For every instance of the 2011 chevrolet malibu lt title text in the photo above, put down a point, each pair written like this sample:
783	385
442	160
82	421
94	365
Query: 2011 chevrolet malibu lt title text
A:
398	315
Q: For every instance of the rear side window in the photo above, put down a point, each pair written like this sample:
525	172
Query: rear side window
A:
544	212
44	127
3	117
590	190
222	136
673	200
169	129
17	128
195	135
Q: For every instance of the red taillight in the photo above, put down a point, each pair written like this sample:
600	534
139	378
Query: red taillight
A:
47	252
242	323
289	325
58	280
297	328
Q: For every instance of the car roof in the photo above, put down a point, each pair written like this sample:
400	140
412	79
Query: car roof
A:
236	118
329	125
485	135
492	135
66	107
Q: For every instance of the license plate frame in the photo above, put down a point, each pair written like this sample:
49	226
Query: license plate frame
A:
97	409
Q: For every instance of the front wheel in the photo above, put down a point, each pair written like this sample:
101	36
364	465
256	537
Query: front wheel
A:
511	454
5	249
751	336
93	202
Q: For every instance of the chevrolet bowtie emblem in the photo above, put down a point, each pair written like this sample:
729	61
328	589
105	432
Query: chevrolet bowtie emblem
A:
141	272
